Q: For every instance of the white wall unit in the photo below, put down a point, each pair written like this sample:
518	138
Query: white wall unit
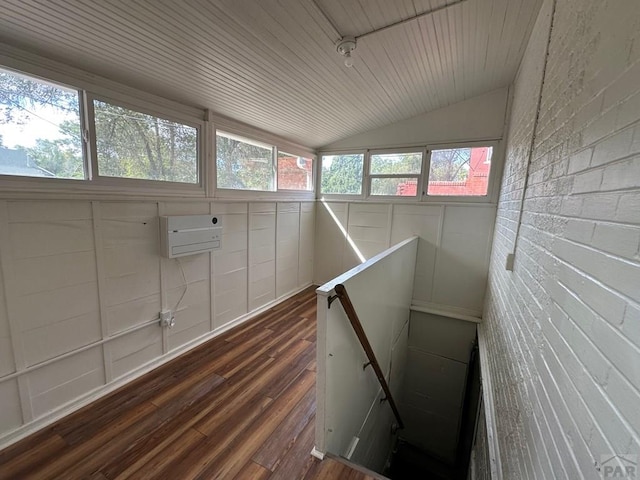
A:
82	283
453	252
183	235
348	395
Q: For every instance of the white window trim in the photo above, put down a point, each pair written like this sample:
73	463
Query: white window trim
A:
494	172
134	100
135	183
422	197
277	194
342	196
47	70
289	191
419	176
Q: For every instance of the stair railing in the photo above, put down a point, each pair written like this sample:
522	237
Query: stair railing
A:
341	294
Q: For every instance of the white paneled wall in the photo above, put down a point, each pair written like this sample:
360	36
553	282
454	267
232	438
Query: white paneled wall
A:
262	253
423	221
10	413
462	257
52	278
287	247
60	382
307	243
82	284
7	364
229	267
130	274
453	252
330	240
435	380
369	229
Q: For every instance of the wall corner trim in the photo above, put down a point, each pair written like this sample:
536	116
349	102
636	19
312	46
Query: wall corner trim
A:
489	407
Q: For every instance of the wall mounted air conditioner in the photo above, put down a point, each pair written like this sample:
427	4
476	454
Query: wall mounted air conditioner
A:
189	234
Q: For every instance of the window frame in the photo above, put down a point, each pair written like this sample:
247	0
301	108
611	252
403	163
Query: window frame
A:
313	174
494	171
147	184
119	95
275	146
418	176
343	196
25	181
422	197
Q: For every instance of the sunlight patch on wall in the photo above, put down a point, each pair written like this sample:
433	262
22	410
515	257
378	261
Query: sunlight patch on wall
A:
352	244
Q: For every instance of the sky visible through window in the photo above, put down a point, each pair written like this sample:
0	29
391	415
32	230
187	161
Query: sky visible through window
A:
34	116
39	128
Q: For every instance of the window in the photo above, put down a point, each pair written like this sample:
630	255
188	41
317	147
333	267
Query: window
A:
295	173
403	173
131	144
460	172
40	129
395	174
342	174
44	131
245	164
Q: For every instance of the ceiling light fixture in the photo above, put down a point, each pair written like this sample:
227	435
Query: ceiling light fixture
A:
344	47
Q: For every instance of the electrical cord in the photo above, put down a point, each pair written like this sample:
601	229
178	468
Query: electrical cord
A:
186	285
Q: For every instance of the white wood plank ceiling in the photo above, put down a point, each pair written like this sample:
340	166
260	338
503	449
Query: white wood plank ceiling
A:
272	63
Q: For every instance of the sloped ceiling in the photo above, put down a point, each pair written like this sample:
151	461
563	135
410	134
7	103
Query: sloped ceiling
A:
272	63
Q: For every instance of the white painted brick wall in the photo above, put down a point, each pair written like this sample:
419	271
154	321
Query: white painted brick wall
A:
563	329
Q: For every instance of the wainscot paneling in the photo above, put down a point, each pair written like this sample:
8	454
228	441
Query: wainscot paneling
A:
82	284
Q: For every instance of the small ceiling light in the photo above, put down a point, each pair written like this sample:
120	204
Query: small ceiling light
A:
344	47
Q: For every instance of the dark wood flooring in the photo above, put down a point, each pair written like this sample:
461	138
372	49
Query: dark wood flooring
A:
241	406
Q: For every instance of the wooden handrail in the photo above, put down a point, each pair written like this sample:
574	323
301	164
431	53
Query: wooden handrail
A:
341	293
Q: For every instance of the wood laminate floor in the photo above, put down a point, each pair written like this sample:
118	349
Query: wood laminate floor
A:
241	406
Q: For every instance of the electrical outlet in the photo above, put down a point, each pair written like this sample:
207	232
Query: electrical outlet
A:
167	319
510	259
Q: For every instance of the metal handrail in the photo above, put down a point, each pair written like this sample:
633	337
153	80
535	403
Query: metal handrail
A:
341	294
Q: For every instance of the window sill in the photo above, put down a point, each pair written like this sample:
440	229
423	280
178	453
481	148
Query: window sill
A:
21	187
254	195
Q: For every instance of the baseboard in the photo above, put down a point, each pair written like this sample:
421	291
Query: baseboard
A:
51	417
317	453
